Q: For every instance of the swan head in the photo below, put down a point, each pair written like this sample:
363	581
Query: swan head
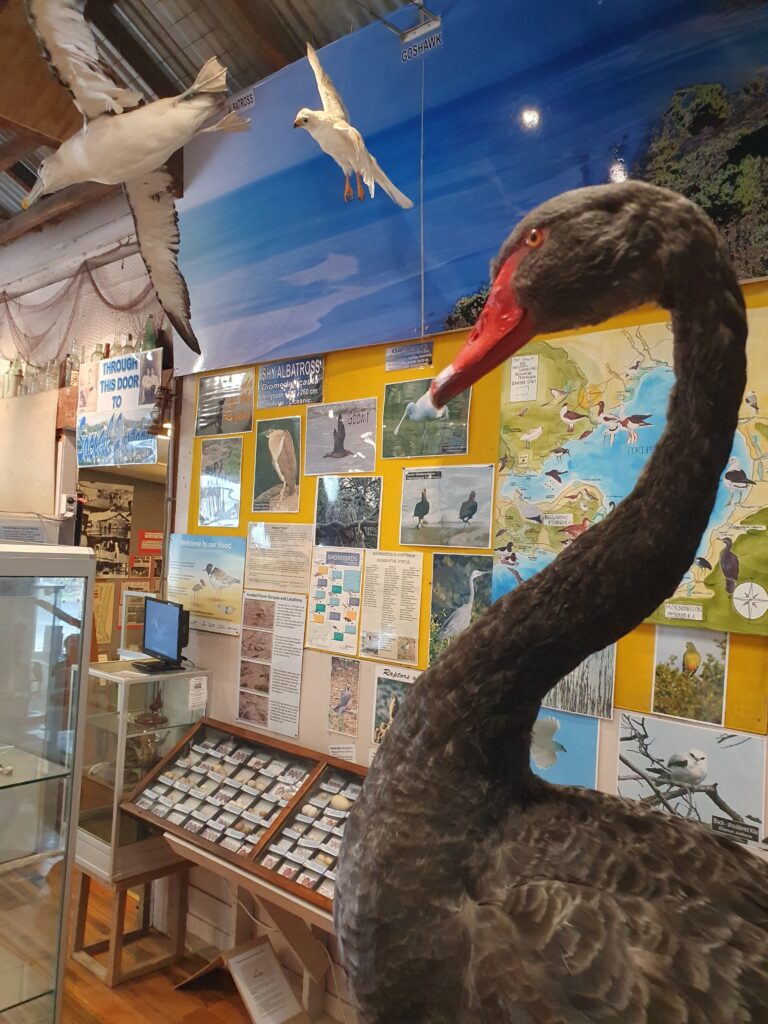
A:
577	260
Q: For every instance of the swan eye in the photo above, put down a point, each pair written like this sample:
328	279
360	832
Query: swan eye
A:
535	238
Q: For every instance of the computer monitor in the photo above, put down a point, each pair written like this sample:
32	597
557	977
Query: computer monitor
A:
166	634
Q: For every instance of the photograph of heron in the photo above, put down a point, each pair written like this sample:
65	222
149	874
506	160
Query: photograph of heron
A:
277	475
343	694
588	689
220	467
461	592
564	748
411	430
341	437
690	670
347	511
390	691
697	772
447	506
225	404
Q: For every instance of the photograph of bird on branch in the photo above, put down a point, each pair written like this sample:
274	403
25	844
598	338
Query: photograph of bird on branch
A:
412	430
690	673
343	696
461	592
393	685
447	506
276	477
696	772
220	465
347	511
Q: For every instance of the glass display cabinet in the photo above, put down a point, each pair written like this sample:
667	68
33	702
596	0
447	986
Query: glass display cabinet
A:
46	609
131	722
275	809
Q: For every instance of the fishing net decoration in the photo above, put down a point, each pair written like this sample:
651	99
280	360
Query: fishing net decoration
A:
93	306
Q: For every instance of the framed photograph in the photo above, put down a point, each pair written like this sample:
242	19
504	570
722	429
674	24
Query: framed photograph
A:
447	506
347	511
411	431
277	472
341	437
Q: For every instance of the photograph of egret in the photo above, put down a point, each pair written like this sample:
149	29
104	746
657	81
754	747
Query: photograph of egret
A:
461	592
588	689
697	772
690	673
412	430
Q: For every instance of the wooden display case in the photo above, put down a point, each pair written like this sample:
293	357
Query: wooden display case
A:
273	808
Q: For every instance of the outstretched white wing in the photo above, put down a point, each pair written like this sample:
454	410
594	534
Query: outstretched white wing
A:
332	102
69	47
157	229
543	746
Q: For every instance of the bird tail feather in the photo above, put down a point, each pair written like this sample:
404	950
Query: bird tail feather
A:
212	77
231	122
374	175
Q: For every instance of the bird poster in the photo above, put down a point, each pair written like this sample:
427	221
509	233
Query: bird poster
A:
277	472
341	438
220	467
271	655
580	418
343	696
447	506
347	511
701	773
225	403
279	557
335	600
411	431
389	629
689	678
205	575
564	748
391	689
587	689
461	592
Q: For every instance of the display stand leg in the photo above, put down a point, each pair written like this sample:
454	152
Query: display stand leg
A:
81	911
116	932
312	996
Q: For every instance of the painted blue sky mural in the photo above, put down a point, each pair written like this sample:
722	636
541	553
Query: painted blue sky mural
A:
279	265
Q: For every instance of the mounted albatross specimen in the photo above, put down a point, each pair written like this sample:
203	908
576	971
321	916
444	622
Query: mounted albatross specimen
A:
468	890
129	147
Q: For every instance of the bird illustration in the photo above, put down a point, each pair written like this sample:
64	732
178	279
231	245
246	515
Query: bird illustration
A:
559	452
632	424
702	566
571	418
526	508
531	435
219	579
127	147
751	401
729	565
691	659
200	585
523	412
603	417
283	456
735	479
503	462
506	549
339	435
461	617
342	706
468	508
584	435
575	530
331	130
556	474
564	904
544	747
557	395
421	509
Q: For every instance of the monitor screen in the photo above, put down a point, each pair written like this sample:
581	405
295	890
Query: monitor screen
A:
162	629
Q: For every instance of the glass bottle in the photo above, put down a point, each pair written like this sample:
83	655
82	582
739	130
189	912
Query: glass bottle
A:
74	375
98	353
130	345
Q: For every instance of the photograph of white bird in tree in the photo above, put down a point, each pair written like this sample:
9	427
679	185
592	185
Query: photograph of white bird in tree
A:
343	695
347	511
411	430
690	673
277	475
447	506
696	772
220	465
341	437
461	592
392	687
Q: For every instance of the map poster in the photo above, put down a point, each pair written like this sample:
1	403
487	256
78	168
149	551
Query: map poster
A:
271	653
391	606
581	416
205	575
279	557
225	404
291	382
335	599
115	403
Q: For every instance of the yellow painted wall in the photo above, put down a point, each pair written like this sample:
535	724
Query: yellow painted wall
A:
360	373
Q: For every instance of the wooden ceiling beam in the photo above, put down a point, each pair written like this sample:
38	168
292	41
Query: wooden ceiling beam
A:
14	149
52	208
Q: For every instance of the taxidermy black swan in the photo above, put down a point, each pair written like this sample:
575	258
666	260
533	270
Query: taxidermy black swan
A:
469	891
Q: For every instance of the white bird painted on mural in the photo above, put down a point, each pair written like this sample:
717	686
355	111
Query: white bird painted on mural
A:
283	455
127	147
331	130
544	746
